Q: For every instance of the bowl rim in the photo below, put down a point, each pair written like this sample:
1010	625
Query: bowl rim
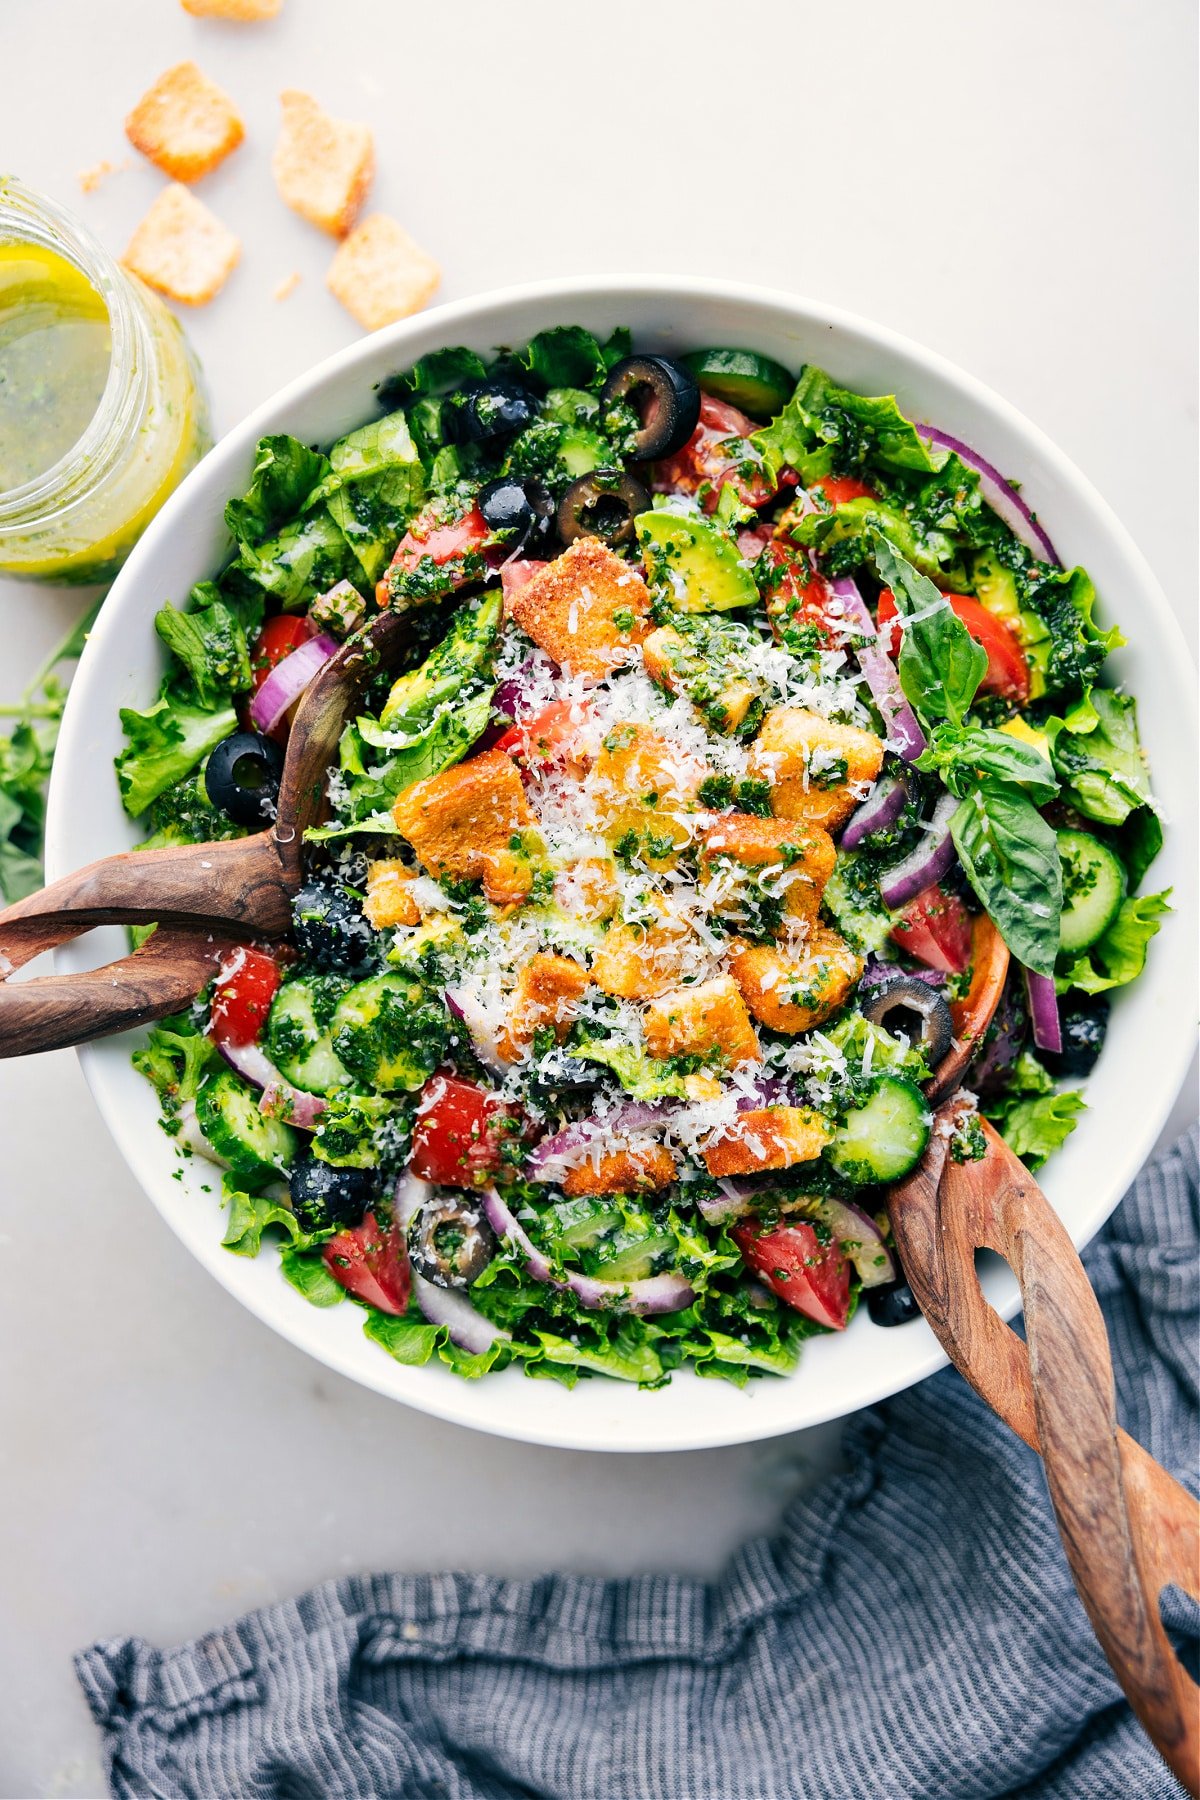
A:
449	1401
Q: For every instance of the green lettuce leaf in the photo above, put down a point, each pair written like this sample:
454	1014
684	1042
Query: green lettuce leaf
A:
252	1214
1099	758
304	559
165	742
374	486
305	1270
285	473
1119	956
1010	855
641	1075
566	356
1032	1129
175	1060
436	373
1071	657
409	1340
940	663
865	431
211	645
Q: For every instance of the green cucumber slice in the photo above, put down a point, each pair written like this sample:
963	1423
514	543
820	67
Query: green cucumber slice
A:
1093	889
755	384
257	1148
298	1042
885	1137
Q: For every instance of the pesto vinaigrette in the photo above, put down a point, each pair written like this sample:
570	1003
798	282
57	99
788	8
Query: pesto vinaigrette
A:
55	350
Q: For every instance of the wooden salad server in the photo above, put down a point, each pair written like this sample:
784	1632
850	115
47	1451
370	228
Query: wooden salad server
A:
204	897
1128	1527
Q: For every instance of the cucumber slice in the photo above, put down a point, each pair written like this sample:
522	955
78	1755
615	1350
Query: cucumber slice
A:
256	1147
1093	889
388	1034
580	1223
297	1041
885	1137
639	1248
755	384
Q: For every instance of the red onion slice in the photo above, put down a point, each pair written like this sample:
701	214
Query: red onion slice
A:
876	970
653	1294
550	1160
881	808
932	858
280	1097
734	1199
288	680
482	1030
442	1306
1000	495
1043	1012
900	721
190	1134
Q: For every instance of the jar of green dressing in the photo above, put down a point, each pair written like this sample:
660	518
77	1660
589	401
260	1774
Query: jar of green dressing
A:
102	410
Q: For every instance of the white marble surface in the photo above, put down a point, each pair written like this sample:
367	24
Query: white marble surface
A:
1012	183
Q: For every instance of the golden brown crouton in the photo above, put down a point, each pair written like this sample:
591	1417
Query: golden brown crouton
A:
185	123
794	993
799	859
322	166
769	1137
473	822
673	664
548	991
380	275
709	1020
589	888
182	249
624	1172
645	793
243	12
389	898
585	609
817	769
637	962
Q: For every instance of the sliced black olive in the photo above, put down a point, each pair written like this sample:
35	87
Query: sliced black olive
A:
485	410
905	1004
1084	1022
664	398
329	927
450	1242
523	508
603	504
324	1197
242	775
892	1305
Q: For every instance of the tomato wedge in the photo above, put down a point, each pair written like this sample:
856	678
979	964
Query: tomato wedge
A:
1007	672
372	1264
548	736
242	996
935	929
795	594
716	453
460	1133
447	543
836	490
810	1275
277	639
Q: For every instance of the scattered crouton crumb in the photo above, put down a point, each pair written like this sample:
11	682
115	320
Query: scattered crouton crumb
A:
323	167
380	275
182	249
285	288
90	179
244	11
185	123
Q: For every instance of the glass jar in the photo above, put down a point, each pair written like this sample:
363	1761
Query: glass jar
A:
77	520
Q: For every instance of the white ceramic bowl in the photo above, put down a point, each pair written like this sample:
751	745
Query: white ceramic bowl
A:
1150	1039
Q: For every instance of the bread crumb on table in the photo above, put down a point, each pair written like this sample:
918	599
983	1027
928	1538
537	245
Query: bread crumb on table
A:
380	275
287	287
182	249
323	167
185	123
90	179
243	11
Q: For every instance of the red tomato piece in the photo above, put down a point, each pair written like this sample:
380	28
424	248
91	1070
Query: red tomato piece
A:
794	592
810	1275
514	575
460	1133
548	736
935	929
371	1264
442	540
838	489
716	453
242	996
1007	672
277	639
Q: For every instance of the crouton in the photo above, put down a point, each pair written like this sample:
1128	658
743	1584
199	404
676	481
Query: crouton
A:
708	1020
623	1172
380	275
389	900
243	12
182	249
768	1137
679	667
818	771
473	822
548	991
639	962
586	609
765	874
589	888
185	123
792	993
322	167
644	793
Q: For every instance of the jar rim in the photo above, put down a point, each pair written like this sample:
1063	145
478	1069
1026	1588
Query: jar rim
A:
28	217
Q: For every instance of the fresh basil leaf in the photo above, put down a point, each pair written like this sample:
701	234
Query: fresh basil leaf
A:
940	663
1100	758
1033	1129
165	742
1119	956
1010	855
1137	842
962	755
285	473
211	645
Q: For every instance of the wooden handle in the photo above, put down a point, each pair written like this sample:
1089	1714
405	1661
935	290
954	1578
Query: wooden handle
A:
161	977
1129	1529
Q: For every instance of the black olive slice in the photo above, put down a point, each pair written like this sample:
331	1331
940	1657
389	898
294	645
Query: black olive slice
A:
324	1197
892	1305
603	504
1084	1023
485	410
242	777
908	1005
450	1241
523	508
664	398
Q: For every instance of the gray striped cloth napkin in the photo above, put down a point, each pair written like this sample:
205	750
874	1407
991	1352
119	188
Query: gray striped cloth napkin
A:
911	1634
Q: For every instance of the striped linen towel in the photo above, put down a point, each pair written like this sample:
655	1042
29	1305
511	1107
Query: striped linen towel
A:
911	1634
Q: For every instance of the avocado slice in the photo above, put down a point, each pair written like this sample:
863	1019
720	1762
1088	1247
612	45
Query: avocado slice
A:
693	564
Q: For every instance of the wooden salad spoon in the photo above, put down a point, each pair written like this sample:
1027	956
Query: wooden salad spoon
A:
1128	1527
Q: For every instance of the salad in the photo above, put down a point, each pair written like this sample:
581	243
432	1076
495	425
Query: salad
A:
743	719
